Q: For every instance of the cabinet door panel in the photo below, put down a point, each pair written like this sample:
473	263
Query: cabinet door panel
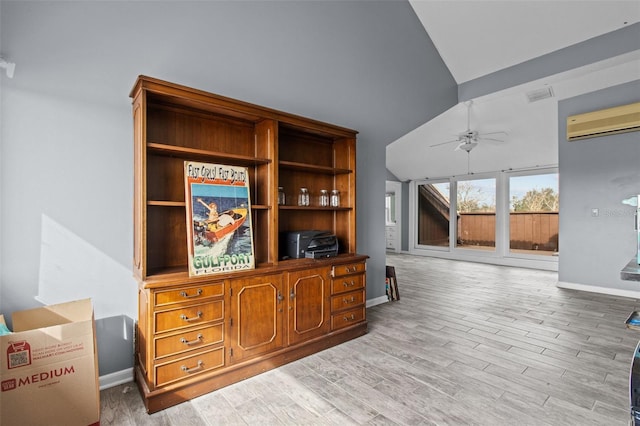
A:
308	304
257	306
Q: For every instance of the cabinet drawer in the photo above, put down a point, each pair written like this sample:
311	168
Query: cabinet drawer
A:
189	340
347	318
188	294
351	268
348	283
189	366
189	316
347	300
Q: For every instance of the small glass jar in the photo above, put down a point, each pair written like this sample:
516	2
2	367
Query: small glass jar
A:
324	198
282	200
335	198
303	197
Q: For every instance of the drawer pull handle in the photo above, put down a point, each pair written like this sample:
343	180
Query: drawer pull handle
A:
192	369
351	318
348	284
186	318
347	301
348	269
192	342
189	296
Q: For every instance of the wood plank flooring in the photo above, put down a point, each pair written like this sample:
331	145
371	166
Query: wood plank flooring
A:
466	344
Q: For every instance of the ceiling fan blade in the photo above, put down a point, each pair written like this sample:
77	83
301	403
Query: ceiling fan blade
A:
491	140
444	143
501	132
469	139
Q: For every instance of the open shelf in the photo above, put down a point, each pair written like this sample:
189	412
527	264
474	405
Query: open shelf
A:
203	154
166	203
158	203
290	165
337	209
178	124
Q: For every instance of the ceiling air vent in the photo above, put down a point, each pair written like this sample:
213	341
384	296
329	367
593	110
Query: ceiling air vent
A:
620	119
540	94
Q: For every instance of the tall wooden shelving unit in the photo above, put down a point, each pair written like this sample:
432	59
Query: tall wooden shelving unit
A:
197	334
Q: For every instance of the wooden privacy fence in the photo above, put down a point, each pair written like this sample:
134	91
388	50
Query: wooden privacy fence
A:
528	231
534	231
477	229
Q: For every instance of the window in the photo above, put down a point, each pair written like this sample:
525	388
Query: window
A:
476	214
533	214
510	215
433	214
390	208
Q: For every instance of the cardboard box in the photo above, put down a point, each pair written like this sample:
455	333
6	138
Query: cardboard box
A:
49	367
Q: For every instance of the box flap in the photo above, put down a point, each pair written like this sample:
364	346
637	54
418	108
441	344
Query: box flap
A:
47	316
4	330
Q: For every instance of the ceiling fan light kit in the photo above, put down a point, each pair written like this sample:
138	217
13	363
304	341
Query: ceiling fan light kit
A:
466	146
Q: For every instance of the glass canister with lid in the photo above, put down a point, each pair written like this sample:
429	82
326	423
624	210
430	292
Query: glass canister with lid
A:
335	198
324	198
303	197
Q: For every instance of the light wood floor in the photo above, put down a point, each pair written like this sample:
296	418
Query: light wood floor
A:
467	344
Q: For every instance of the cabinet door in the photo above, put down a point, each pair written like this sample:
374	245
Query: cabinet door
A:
255	323
309	312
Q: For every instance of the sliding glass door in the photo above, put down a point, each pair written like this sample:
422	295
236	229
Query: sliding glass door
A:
534	204
433	214
508	214
476	214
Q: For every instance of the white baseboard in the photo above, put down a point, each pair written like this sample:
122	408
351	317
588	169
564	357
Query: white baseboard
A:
377	301
114	379
602	290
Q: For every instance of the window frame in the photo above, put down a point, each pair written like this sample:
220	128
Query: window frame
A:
507	235
502	253
475	251
414	187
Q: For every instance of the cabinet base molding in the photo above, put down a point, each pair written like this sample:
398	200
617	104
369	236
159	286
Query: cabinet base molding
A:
167	396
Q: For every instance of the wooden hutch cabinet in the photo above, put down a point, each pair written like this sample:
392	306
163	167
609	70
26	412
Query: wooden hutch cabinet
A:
197	334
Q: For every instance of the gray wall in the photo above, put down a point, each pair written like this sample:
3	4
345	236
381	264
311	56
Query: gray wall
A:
593	50
597	173
66	165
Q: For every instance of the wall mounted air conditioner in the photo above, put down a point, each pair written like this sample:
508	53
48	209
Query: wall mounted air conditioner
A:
620	119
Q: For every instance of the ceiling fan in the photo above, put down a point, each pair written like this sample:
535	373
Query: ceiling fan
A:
469	139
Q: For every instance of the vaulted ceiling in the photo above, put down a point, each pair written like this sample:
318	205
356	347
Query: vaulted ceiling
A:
484	40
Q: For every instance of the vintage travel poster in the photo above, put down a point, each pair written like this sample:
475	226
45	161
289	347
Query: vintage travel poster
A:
218	209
